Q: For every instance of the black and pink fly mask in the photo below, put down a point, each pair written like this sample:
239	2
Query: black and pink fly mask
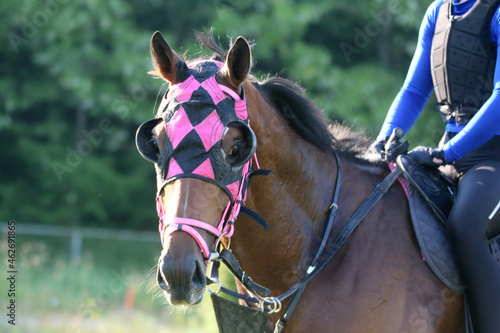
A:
197	114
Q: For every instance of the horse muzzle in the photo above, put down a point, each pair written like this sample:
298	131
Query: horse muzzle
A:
182	278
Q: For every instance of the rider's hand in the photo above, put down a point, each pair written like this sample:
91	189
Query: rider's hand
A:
378	146
428	156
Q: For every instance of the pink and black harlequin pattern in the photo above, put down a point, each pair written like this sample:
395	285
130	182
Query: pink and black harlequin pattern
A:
196	113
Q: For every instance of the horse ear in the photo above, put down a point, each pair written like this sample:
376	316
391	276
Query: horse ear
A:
238	62
164	58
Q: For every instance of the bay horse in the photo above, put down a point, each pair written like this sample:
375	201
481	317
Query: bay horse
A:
377	282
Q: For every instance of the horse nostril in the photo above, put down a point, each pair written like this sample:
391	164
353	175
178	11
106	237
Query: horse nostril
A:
161	281
198	277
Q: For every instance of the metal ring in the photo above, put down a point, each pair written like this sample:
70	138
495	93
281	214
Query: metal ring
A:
218	290
275	306
218	240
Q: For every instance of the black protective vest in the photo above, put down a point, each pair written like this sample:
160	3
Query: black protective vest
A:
463	59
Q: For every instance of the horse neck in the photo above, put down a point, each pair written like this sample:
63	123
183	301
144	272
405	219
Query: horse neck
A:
294	199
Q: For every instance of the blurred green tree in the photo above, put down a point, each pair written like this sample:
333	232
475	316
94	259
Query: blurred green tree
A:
74	87
351	56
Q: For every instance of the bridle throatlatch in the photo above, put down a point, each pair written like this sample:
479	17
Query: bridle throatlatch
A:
198	113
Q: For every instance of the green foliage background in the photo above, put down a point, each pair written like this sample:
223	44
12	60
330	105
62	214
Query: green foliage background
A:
74	87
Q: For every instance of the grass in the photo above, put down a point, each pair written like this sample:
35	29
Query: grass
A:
111	290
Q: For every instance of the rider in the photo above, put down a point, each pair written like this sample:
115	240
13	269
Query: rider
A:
456	55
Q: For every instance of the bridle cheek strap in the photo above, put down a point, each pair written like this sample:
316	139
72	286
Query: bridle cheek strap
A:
225	226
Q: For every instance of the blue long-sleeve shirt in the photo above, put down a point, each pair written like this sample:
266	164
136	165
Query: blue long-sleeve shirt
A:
418	86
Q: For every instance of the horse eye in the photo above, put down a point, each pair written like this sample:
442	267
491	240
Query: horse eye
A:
238	144
236	154
154	145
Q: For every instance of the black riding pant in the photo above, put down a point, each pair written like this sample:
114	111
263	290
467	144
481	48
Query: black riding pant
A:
473	222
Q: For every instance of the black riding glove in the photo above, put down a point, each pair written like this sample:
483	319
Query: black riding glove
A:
428	156
378	146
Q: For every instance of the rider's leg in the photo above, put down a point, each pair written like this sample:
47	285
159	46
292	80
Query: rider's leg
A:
473	220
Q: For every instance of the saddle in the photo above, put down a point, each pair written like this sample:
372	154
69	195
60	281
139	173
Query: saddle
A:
430	197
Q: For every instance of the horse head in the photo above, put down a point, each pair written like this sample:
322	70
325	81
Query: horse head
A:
203	148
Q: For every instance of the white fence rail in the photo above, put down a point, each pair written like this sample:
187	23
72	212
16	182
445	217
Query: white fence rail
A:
76	234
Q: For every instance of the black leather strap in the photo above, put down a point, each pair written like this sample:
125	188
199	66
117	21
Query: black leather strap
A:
319	261
259	172
254	216
234	267
214	278
251	213
331	216
350	226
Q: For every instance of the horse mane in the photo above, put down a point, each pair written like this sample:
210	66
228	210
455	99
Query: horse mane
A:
300	112
303	116
208	40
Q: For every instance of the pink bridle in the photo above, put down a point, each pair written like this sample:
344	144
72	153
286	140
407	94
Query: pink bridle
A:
238	191
225	227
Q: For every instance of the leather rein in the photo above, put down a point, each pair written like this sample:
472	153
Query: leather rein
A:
321	259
